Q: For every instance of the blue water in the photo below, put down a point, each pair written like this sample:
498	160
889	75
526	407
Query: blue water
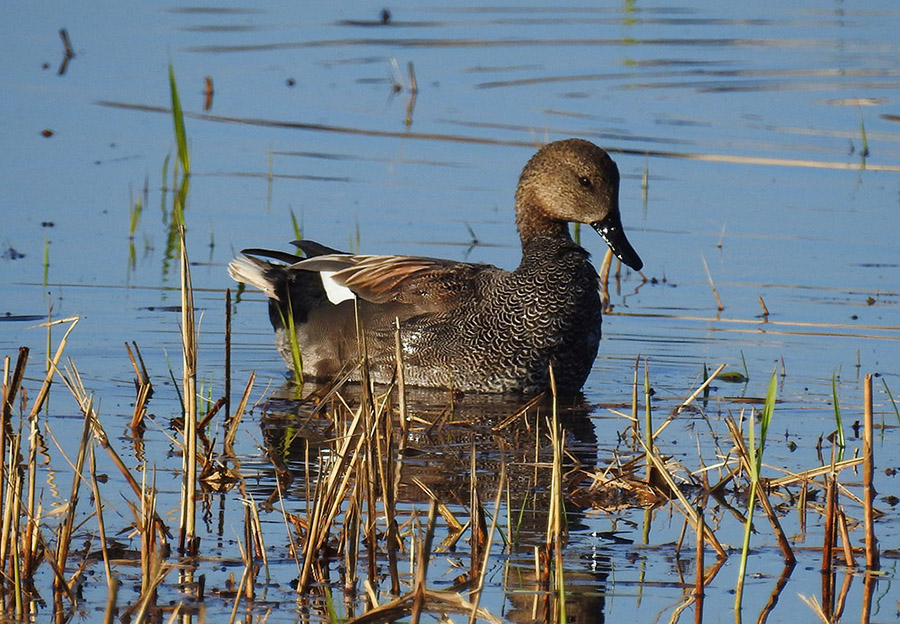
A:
782	205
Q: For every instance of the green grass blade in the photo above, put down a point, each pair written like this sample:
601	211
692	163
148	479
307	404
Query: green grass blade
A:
178	119
290	330
298	226
755	450
891	397
768	408
837	412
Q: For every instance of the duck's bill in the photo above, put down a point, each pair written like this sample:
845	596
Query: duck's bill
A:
611	230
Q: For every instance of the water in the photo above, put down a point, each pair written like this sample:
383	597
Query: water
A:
748	121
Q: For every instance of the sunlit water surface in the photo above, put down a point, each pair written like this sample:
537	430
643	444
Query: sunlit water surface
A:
767	135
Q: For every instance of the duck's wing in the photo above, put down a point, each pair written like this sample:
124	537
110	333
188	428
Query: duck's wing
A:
428	283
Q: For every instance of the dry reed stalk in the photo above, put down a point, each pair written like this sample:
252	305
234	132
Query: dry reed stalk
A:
401	407
349	545
712	284
556	522
103	440
849	559
686	508
869	583
518	414
648	424
827	568
234	420
368	469
110	612
780	584
151	560
241	588
247	555
477	527
386	461
187	538
228	351
292	550
813	604
691	398
76	388
52	367
329	495
872	563
605	266
634	399
137	361
761	494
807	476
801	507
10	389
441	601
842	597
479	582
421	572
765	310
11	518
257	532
140	409
146	601
31	556
64	535
413	93
698	583
210	414
111	582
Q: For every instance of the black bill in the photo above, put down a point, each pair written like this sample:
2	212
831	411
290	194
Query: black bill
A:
611	230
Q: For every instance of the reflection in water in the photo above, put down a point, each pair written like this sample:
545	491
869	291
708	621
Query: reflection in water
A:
449	439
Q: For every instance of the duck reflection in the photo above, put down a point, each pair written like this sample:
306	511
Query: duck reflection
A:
449	439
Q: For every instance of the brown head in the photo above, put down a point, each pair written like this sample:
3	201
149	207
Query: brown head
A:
572	180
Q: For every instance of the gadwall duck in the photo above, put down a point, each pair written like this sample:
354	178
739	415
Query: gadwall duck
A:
472	327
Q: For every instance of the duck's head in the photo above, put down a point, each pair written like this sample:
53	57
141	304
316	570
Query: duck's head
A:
573	180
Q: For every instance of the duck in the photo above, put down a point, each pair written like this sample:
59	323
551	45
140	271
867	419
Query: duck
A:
464	326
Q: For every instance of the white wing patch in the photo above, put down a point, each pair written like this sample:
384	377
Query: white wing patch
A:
337	293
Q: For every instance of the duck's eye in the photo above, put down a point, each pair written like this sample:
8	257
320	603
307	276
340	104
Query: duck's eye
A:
585	182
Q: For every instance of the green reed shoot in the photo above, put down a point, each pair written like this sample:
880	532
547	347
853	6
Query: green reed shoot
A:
46	259
178	120
648	420
297	225
862	135
290	329
893	402
184	157
135	208
837	417
755	451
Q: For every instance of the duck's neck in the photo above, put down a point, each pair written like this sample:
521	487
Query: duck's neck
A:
532	222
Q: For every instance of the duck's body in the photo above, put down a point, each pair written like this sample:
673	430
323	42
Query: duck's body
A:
472	327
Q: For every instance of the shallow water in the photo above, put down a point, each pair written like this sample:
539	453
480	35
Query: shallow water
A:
748	122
